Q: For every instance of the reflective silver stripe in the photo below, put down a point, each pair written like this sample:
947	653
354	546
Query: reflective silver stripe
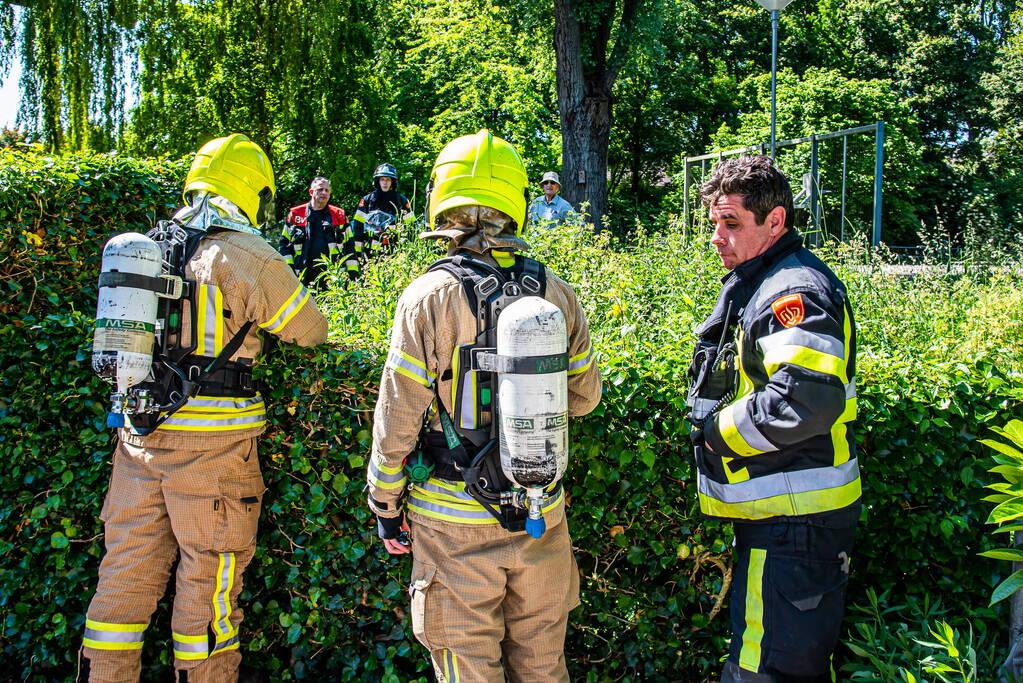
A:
212	321
229	403
433	488
581	364
199	648
384	477
747	430
222	599
227	643
795	336
850	389
449	511
361	216
453	676
781	483
467	416
403	364
114	636
288	310
182	421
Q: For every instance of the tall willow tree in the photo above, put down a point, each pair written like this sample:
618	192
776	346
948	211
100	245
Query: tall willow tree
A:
74	71
296	75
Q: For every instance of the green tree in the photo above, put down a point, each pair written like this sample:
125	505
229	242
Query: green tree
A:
74	68
822	100
295	75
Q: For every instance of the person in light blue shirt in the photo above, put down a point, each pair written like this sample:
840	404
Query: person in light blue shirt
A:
549	209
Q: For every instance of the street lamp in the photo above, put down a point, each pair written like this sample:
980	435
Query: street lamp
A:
774	7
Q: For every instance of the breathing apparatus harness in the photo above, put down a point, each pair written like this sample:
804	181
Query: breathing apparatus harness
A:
713	374
472	455
178	374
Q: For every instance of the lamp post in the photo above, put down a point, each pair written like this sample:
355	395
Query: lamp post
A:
774	7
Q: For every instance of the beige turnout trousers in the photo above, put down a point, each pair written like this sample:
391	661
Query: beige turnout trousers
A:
203	503
489	604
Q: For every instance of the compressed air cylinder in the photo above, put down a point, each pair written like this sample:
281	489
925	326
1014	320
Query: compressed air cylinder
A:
533	407
122	346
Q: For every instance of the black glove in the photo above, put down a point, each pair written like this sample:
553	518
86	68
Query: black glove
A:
297	234
390	527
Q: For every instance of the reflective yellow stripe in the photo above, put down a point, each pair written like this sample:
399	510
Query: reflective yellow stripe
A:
218	322
385	476
200	322
734	477
840	443
753	634
101	645
454	377
745	383
189	639
788	504
222	595
580	362
449	664
443	507
288	310
117	628
802	356
211	414
410	367
730	433
101	635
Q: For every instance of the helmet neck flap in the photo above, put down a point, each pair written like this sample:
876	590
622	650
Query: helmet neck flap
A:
206	210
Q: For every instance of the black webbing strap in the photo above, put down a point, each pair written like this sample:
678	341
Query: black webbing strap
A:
488	360
192	387
161	285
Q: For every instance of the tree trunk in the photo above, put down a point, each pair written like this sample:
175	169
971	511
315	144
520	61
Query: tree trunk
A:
1016	610
585	76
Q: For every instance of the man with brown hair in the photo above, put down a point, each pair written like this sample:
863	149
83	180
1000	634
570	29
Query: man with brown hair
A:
773	400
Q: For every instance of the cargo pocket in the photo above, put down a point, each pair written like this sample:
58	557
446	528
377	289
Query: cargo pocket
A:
239	505
195	518
806	614
419	590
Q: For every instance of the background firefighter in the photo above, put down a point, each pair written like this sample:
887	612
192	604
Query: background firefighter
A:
487	603
192	489
773	402
316	232
380	213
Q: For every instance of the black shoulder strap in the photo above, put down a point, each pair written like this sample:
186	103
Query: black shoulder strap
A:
470	272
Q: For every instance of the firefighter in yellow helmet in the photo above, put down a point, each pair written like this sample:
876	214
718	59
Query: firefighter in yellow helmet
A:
493	576
186	484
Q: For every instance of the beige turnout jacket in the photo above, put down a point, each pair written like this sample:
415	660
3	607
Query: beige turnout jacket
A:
239	277
431	320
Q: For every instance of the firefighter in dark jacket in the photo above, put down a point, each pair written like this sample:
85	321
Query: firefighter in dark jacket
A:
380	212
773	401
316	232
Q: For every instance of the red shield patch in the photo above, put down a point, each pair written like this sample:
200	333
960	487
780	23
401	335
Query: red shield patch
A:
789	310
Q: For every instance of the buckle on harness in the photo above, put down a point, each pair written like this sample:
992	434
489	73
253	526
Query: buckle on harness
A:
194	372
488	286
175	287
530	284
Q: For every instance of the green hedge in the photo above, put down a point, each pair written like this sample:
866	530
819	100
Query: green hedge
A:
322	599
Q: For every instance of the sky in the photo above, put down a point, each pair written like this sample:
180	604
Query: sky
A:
9	96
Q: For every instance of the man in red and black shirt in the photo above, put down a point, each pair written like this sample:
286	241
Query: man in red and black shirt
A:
316	233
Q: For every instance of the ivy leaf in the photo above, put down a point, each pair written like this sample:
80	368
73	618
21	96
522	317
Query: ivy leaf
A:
1007	587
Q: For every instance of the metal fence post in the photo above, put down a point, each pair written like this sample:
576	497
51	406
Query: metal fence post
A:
878	170
685	194
845	148
814	199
